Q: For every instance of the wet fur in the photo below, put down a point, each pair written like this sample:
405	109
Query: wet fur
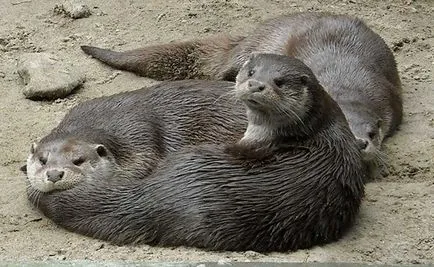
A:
298	189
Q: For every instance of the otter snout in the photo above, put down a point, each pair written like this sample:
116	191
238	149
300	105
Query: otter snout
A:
367	148
55	175
255	86
362	143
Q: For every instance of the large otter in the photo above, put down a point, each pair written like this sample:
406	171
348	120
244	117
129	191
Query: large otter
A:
293	180
351	62
132	131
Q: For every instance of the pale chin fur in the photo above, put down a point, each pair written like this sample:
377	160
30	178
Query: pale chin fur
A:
371	151
42	185
257	133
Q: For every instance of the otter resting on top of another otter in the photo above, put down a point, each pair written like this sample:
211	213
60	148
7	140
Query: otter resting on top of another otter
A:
294	179
351	62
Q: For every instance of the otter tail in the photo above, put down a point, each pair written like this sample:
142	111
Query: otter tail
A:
111	58
206	59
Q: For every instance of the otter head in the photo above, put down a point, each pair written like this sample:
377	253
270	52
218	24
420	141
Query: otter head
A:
367	127
277	91
61	164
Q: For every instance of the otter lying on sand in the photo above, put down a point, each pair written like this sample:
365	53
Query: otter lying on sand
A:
293	180
131	132
352	62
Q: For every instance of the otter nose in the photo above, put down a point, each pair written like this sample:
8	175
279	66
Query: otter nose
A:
55	175
362	143
255	86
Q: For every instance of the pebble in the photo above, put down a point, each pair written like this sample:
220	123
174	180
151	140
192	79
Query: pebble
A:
74	9
46	77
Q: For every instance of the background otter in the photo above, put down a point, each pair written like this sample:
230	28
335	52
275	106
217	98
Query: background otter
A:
293	181
351	62
131	132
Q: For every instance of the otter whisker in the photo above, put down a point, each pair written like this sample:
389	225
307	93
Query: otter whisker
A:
33	195
230	94
290	113
13	176
381	158
38	198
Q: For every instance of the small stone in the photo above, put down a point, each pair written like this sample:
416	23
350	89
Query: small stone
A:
252	254
66	39
46	77
161	16
2	75
74	9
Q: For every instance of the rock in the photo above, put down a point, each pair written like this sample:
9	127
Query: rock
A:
46	77
74	9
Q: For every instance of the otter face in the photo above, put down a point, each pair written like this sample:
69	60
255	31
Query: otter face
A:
368	132
276	86
60	165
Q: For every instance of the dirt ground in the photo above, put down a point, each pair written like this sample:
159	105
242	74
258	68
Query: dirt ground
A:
396	223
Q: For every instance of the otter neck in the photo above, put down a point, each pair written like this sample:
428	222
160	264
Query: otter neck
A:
274	128
266	128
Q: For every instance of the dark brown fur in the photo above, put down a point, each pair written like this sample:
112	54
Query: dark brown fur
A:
351	61
297	186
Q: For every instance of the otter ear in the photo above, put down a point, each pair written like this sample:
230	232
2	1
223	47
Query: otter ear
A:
304	79
33	148
101	150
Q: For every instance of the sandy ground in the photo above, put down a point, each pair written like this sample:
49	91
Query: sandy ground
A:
396	222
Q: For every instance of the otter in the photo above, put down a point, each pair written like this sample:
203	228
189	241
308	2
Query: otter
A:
293	180
352	63
132	131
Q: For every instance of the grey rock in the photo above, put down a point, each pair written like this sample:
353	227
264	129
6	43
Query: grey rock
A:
46	77
74	9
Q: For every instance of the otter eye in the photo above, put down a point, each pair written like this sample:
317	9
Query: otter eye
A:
250	73
43	160
78	162
279	82
372	135
102	151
